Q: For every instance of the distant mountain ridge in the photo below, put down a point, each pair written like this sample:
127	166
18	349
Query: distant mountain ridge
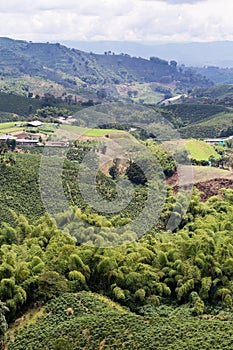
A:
73	68
217	53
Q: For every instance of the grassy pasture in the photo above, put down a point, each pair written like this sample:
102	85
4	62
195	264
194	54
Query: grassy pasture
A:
219	120
10	128
200	150
88	132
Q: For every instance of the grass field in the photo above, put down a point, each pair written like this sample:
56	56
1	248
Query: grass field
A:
88	132
10	128
146	93
47	128
200	150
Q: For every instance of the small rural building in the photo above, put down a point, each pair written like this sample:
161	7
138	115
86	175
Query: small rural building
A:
7	137
19	141
218	141
167	101
35	123
26	142
19	125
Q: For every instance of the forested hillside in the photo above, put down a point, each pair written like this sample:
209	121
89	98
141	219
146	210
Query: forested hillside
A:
73	69
16	107
218	75
200	120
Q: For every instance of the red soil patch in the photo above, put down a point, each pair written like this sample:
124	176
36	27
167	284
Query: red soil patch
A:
207	188
212	187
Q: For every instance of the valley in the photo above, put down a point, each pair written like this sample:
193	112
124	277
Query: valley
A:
116	202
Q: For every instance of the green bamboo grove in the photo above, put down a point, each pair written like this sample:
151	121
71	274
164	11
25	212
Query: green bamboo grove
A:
193	265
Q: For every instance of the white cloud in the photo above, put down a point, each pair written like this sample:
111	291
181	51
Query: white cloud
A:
136	20
181	1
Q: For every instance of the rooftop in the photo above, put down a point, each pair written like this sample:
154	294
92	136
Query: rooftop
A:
35	123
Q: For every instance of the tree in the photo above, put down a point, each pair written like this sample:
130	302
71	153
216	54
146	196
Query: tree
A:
53	111
228	143
101	94
11	143
173	63
3	323
135	174
114	169
5	157
214	161
51	284
61	344
132	93
158	60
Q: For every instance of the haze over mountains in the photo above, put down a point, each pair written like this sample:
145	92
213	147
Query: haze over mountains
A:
219	53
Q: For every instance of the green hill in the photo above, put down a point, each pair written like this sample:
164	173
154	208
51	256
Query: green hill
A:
216	94
20	188
218	75
200	120
15	107
190	113
218	125
170	280
74	69
90	321
200	150
17	104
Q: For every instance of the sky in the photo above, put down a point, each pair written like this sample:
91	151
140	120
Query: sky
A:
117	20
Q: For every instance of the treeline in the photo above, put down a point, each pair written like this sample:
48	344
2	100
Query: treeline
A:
15	107
19	105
